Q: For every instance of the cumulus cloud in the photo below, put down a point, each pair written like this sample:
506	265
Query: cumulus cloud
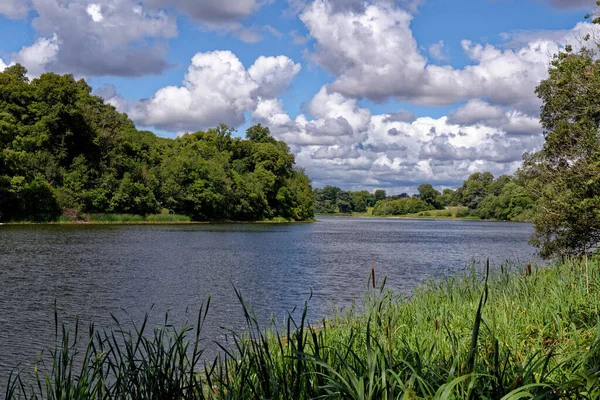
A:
344	144
211	11
362	49
217	88
2	65
100	37
110	95
121	37
373	54
14	9
37	56
438	51
273	75
479	112
401	116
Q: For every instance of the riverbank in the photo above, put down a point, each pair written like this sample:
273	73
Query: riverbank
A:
455	213
520	333
152	219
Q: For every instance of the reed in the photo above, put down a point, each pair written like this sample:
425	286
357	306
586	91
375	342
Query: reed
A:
505	333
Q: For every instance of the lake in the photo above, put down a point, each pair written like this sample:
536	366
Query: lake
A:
92	271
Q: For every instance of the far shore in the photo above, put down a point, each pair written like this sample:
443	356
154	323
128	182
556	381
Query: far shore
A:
412	217
116	219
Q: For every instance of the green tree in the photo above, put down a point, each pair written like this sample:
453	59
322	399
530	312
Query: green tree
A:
61	147
401	206
564	176
360	201
380	194
430	196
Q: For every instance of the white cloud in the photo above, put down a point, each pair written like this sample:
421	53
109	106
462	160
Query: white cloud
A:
110	95
2	65
124	37
273	75
95	11
479	112
217	88
104	37
14	9
373	54
37	56
345	145
438	51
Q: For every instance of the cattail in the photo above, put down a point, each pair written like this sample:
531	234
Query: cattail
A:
373	274
437	325
528	270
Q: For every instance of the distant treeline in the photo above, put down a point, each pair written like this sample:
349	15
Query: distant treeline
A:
62	150
481	195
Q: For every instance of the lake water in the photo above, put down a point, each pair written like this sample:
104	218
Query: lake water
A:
92	271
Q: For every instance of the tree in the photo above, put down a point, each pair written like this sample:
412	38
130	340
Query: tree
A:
360	201
474	189
63	148
401	206
430	196
564	176
344	202
259	133
380	195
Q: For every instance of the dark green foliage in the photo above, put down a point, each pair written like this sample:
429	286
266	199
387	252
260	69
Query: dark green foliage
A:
331	199
402	206
430	196
63	149
564	177
380	195
505	198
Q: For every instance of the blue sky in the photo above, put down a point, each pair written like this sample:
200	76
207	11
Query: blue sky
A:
368	94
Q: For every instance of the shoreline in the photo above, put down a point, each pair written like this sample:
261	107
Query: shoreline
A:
150	222
415	217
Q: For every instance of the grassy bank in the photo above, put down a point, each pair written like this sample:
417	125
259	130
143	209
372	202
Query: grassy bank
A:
459	213
144	219
509	336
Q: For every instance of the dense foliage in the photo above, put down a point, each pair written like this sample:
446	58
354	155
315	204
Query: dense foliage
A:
483	196
406	205
62	148
564	176
332	199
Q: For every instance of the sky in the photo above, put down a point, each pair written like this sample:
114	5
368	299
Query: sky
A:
377	94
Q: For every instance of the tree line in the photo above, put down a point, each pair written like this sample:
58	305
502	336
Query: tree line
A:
481	195
63	149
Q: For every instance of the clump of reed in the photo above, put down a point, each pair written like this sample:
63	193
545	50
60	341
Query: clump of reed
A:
499	334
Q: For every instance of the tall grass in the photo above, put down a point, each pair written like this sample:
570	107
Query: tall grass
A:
133	218
496	335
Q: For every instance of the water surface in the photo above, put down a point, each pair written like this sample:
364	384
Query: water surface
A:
92	271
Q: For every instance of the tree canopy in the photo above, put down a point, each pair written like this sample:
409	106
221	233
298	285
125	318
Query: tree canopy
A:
564	176
61	148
